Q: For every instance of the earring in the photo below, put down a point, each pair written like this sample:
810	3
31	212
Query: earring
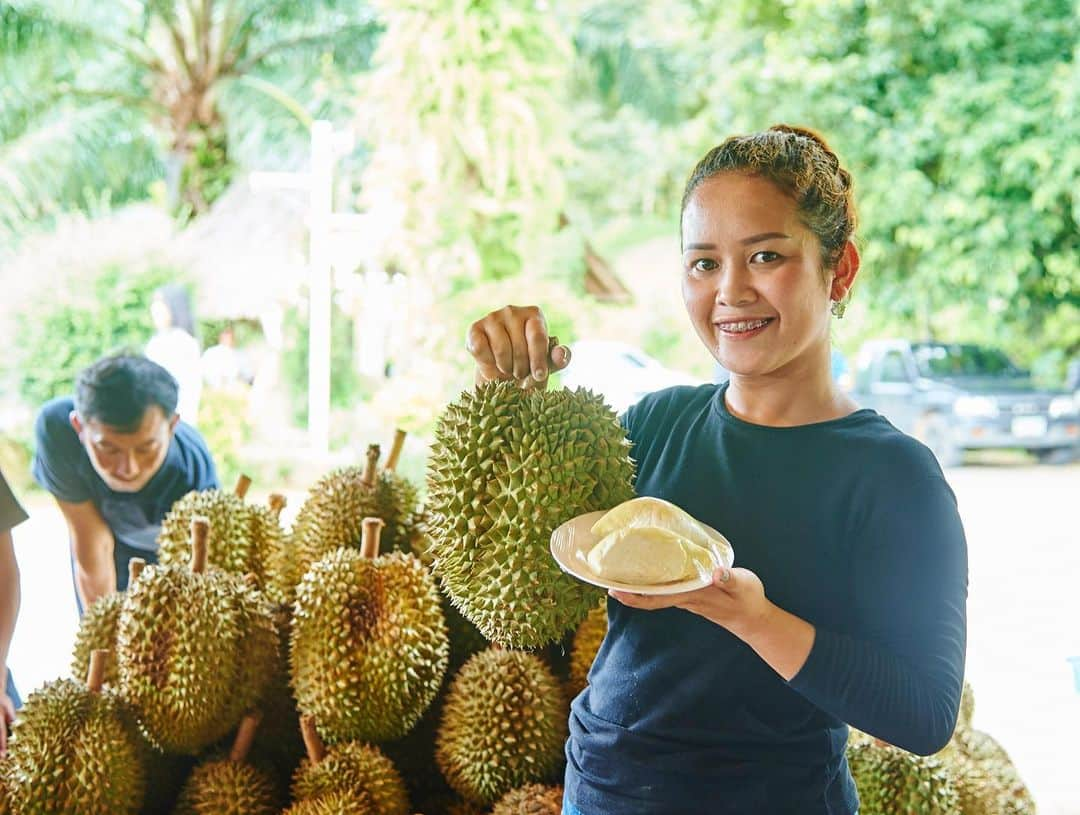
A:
838	308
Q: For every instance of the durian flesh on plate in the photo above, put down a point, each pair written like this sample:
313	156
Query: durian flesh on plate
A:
645	545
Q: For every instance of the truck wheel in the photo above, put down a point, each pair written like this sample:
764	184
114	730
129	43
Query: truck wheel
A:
1057	455
934	432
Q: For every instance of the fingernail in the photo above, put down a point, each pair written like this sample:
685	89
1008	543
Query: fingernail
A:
725	575
539	374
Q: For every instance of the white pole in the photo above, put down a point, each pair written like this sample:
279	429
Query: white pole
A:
322	182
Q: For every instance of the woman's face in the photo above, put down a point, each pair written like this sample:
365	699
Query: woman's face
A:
160	314
752	278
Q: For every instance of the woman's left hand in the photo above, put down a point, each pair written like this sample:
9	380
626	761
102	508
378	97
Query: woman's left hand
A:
734	600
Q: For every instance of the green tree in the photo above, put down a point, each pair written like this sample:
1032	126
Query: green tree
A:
464	112
109	96
959	120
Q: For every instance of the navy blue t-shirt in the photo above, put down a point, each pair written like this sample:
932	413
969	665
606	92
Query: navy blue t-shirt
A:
62	466
851	526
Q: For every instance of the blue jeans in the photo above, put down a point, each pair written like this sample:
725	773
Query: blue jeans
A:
568	808
9	689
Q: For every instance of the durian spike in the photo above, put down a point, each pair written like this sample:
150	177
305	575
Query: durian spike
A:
242	484
371	466
245	735
135	567
395	450
313	743
277	503
200	531
251	580
369	541
95	677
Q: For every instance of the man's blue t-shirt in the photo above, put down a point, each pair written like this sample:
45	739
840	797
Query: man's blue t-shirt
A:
62	466
851	526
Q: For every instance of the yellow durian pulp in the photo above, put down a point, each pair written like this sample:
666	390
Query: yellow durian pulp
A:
646	555
658	513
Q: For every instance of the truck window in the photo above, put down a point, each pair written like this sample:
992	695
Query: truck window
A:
893	368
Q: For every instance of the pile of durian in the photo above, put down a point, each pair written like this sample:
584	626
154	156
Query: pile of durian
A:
972	775
379	657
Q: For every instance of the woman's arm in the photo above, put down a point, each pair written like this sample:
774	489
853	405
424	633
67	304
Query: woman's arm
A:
898	674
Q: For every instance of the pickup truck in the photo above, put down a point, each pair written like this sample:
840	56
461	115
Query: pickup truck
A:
956	397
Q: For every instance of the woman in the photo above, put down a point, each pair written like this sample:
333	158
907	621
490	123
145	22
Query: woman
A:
848	602
175	348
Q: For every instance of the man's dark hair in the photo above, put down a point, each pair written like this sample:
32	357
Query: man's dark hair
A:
117	390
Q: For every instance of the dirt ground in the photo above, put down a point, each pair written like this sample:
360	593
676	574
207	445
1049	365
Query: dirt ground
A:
1023	529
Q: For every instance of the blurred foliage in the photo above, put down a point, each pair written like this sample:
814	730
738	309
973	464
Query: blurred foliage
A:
465	117
345	382
103	311
225	425
497	139
104	98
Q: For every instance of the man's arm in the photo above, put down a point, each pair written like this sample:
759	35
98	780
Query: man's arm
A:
9	610
92	547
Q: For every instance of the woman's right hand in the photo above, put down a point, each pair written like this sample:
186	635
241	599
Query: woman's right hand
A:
513	343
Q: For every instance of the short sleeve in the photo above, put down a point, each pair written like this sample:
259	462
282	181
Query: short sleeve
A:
59	459
11	513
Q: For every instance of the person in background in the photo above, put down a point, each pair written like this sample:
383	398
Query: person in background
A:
116	457
11	515
224	365
175	348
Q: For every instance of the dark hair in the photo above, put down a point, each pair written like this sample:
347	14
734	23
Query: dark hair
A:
117	391
802	165
178	302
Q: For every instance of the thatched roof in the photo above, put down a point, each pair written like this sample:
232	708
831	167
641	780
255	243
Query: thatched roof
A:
247	253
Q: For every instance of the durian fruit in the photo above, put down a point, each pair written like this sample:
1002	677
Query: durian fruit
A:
280	567
990	780
332	515
507	467
504	725
245	539
5	808
337	803
532	799
195	650
369	642
279	742
587	640
230	545
97	628
76	748
230	786
351	768
967	708
892	781
656	513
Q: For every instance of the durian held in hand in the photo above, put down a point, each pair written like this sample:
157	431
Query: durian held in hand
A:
649	541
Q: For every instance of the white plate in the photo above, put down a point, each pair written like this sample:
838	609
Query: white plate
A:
571	542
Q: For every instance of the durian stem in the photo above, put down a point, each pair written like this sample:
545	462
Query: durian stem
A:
95	677
277	503
369	541
245	735
200	531
395	450
135	567
313	743
372	465
242	484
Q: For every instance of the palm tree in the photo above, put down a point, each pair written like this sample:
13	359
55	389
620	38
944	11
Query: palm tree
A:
113	95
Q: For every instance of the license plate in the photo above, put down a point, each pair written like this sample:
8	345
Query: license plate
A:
1029	426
